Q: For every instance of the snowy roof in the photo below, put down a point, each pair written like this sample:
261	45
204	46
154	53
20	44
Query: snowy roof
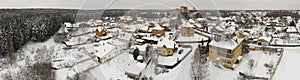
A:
68	24
100	29
103	48
109	71
89	48
98	20
226	44
69	43
164	19
227	18
198	25
200	19
143	27
169	61
191	21
268	39
141	47
129	65
157	27
187	24
139	40
125	36
213	17
84	66
146	34
291	29
150	38
166	24
166	42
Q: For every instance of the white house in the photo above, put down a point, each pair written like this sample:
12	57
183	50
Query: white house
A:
105	50
125	37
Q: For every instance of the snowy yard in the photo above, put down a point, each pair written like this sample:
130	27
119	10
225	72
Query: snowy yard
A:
175	58
258	70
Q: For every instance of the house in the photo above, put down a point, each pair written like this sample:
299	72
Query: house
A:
187	30
265	41
129	28
143	51
70	27
225	50
143	28
99	22
151	40
104	51
183	9
165	20
291	29
101	31
83	25
216	29
166	26
157	30
127	38
165	46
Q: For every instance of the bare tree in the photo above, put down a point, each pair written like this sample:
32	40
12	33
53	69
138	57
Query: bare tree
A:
199	66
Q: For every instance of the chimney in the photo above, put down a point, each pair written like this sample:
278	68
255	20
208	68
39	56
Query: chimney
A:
170	37
217	37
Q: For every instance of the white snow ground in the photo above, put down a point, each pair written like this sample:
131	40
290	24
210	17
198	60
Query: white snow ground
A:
289	66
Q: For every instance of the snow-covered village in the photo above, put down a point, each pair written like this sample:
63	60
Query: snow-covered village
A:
182	43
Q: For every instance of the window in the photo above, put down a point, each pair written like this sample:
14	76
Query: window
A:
222	52
229	55
229	51
224	61
228	62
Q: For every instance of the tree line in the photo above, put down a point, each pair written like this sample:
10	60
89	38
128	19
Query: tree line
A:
19	26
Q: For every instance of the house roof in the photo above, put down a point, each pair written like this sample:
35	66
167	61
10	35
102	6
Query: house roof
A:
141	47
200	19
68	24
291	29
129	65
109	71
125	36
213	17
166	42
166	24
143	27
191	21
103	48
187	24
157	27
101	28
226	44
267	39
98	21
150	38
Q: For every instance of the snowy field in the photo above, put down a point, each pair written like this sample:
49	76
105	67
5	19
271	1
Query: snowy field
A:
289	66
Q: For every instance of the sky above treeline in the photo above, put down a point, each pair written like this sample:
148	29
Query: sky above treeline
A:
155	4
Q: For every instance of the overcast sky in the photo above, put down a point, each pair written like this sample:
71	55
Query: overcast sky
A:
152	4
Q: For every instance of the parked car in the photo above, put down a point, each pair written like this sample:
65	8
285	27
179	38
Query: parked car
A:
180	51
